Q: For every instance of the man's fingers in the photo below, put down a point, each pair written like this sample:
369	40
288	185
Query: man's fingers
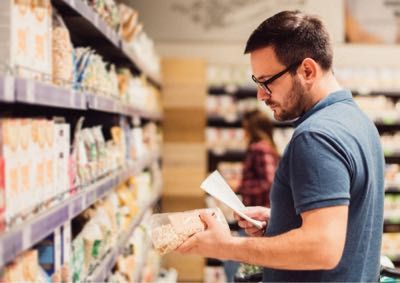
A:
187	245
255	232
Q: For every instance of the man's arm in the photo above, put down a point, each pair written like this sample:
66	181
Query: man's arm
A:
317	244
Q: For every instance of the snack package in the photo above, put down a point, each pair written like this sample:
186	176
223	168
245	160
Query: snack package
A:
170	230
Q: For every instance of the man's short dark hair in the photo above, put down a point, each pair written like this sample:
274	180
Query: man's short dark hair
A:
294	36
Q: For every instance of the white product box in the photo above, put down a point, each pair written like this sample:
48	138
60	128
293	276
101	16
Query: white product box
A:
11	172
50	160
66	243
41	20
25	41
39	164
24	160
57	249
61	139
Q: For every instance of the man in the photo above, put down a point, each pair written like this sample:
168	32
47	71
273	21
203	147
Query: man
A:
326	216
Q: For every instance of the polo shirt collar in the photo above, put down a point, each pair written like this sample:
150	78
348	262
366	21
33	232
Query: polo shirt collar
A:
332	98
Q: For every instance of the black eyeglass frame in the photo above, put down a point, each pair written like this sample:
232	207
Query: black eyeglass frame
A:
264	85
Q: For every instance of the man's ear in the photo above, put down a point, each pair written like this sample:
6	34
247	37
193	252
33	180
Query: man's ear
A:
308	71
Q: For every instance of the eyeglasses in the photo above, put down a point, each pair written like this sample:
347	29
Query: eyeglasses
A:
264	85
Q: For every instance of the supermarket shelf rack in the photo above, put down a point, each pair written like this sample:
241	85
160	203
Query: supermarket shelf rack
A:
90	23
38	93
27	234
102	271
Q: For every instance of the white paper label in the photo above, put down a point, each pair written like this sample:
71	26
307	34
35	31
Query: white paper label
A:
72	95
30	91
9	88
82	100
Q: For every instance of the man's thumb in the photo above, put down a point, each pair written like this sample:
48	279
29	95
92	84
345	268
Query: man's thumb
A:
208	219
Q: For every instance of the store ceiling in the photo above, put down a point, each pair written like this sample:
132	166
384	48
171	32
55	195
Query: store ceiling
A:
227	21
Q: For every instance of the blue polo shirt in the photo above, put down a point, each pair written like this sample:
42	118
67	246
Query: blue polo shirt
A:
334	158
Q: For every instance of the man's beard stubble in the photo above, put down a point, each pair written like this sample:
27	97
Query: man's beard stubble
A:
297	101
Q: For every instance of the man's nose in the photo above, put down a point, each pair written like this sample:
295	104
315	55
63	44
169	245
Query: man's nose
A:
262	94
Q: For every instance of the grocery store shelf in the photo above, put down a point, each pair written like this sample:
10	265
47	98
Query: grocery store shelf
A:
32	92
92	17
221	122
391	189
141	263
38	93
134	57
236	122
391	228
106	104
7	93
393	93
133	111
389	122
239	92
27	234
392	159
102	271
89	29
228	154
392	221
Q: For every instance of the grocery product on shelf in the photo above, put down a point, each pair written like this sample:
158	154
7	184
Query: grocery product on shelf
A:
62	53
379	109
232	173
107	10
25	268
392	208
26	45
391	245
392	177
369	79
129	25
35	154
136	41
220	140
391	143
93	74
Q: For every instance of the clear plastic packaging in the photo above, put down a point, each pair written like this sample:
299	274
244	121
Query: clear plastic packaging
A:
170	230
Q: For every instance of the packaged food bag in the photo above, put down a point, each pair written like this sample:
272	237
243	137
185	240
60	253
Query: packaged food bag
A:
170	230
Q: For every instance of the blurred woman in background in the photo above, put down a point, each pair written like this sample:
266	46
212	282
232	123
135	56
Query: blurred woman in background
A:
260	161
259	168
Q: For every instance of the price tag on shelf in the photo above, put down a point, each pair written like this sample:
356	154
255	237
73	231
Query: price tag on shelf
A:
41	228
82	97
90	198
8	88
72	96
96	21
30	91
12	245
77	206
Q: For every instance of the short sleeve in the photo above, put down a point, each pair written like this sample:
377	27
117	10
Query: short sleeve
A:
320	174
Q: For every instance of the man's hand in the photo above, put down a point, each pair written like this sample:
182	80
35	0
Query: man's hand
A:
210	242
256	212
